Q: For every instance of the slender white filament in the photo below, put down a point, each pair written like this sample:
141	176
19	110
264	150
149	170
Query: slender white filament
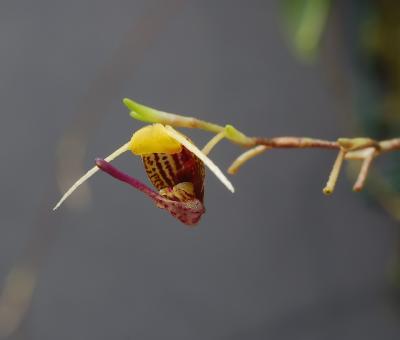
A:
90	173
208	162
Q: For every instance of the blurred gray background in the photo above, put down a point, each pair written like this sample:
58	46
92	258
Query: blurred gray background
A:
276	260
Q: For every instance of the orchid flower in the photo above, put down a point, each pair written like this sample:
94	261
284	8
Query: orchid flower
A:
174	165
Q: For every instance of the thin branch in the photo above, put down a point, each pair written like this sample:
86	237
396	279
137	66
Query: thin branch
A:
364	149
390	145
359	148
296	142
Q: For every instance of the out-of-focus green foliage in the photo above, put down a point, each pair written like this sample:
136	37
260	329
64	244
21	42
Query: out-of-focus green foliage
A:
369	40
305	21
376	74
369	36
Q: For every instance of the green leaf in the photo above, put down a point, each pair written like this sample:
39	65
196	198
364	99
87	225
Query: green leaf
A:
305	21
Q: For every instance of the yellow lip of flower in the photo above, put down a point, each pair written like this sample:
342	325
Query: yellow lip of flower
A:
153	139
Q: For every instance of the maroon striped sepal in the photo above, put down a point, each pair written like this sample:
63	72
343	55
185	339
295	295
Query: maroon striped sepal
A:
188	212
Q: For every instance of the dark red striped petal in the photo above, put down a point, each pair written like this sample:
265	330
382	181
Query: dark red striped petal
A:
188	212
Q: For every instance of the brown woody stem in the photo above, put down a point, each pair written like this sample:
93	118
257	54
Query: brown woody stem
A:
296	142
361	148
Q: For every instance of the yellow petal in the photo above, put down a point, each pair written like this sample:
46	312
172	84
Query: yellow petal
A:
154	139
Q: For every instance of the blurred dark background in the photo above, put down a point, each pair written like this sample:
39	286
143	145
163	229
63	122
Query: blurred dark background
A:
276	260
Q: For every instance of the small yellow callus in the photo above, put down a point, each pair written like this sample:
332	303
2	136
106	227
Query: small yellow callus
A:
153	139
